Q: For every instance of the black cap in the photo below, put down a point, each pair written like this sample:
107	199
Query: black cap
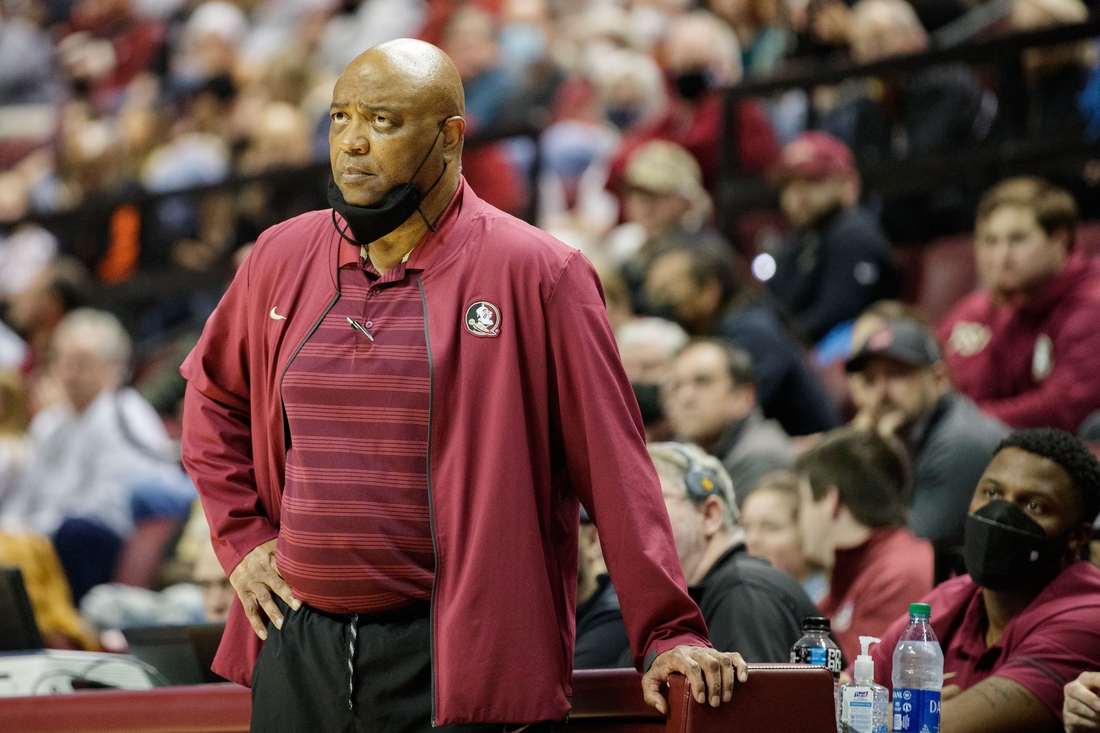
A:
816	623
901	339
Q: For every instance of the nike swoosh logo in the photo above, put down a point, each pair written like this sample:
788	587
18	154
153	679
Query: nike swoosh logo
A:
275	316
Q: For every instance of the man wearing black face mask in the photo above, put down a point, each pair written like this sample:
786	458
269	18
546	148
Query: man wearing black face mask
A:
1026	620
702	56
394	395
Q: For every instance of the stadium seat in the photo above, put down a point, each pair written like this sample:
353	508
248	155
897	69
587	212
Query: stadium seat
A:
947	273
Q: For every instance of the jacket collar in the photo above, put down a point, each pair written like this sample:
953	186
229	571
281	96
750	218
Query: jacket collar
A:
1078	267
732	435
427	250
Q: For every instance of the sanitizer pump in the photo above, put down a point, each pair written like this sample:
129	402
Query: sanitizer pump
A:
863	705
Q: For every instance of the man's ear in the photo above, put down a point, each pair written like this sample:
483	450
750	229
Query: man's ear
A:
745	395
454	129
714	513
1079	538
1062	238
710	296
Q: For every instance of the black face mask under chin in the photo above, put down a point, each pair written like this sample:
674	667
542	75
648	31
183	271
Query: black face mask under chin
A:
1006	549
371	223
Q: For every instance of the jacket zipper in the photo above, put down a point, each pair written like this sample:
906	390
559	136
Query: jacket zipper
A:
431	510
282	405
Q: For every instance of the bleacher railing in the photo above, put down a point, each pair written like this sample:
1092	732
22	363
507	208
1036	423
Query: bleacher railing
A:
1008	150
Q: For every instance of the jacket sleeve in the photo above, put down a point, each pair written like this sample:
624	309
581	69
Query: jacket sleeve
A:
596	417
217	429
1070	392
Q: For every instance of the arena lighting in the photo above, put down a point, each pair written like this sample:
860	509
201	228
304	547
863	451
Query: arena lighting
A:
763	267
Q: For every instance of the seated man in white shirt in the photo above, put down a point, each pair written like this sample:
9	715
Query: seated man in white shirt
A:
89	450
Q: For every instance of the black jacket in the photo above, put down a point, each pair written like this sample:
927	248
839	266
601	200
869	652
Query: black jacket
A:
827	275
751	607
601	635
786	388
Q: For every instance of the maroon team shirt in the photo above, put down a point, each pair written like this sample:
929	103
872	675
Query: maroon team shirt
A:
874	582
356	534
1050	643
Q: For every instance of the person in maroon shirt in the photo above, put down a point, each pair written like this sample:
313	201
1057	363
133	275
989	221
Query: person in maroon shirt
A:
1025	347
1026	621
701	55
854	493
391	419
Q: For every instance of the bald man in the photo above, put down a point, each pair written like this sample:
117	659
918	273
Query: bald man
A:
392	417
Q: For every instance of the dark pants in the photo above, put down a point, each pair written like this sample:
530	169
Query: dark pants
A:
333	673
88	552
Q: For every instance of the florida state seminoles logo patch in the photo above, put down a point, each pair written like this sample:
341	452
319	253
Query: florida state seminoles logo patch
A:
483	319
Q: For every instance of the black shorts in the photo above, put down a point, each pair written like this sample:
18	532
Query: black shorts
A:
333	673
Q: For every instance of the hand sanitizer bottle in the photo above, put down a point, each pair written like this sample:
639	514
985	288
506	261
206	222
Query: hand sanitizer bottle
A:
864	706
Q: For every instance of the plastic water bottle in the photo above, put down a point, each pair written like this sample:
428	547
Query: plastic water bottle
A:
918	675
816	647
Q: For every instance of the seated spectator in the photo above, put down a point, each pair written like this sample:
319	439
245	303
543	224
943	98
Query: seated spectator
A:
15	447
1025	347
48	590
105	44
901	389
1081	710
217	593
937	107
761	31
898	116
88	452
35	310
852	514
601	635
701	289
1023	623
664	202
769	516
747	604
711	401
836	261
471	38
701	56
1054	75
647	347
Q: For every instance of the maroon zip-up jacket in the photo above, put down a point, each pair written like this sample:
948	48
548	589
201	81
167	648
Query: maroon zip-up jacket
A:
1031	364
524	422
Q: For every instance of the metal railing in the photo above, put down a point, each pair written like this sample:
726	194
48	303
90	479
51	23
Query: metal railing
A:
1008	150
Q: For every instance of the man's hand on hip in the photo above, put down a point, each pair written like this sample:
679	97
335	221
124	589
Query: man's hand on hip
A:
1082	703
711	674
257	582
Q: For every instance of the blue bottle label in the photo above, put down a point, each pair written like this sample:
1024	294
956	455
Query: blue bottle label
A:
818	656
916	711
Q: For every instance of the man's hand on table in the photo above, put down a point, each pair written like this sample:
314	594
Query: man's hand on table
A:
711	674
257	582
1081	711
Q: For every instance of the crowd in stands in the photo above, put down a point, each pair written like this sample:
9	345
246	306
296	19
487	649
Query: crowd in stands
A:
826	446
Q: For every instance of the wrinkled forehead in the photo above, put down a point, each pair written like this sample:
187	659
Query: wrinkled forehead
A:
380	85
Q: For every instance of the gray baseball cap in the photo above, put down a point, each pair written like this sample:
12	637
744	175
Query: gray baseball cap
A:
901	339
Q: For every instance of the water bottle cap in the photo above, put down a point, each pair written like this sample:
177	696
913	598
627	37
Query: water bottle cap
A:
920	609
816	623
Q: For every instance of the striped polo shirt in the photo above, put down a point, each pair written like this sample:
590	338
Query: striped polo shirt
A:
355	533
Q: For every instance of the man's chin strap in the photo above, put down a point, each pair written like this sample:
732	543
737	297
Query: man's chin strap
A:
432	227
